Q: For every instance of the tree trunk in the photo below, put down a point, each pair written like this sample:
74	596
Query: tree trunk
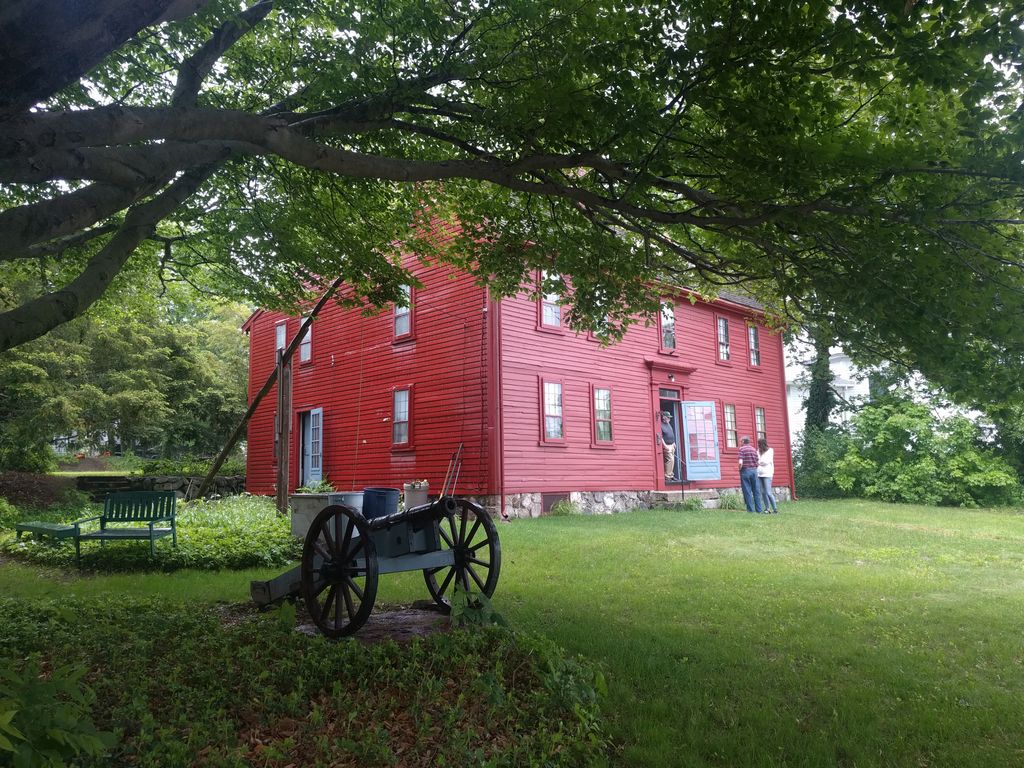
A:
821	399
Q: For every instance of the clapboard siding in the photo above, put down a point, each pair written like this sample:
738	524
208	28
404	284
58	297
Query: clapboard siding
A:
356	364
633	369
475	368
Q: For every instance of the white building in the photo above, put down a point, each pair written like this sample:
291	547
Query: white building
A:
849	384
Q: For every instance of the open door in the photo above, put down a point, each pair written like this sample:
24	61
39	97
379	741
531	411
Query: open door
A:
311	467
700	441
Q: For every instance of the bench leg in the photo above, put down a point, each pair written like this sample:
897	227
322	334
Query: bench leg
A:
78	552
152	547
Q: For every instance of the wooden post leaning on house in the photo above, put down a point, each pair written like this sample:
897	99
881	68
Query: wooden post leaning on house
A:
282	429
287	355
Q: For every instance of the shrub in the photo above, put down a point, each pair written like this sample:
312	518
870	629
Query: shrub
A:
900	451
192	466
320	486
693	504
815	458
236	532
481	697
44	718
731	501
34	457
564	508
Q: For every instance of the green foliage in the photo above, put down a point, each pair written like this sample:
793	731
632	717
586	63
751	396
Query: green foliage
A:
45	717
692	504
901	451
320	486
192	466
162	376
815	458
564	507
731	501
475	609
858	161
458	698
236	532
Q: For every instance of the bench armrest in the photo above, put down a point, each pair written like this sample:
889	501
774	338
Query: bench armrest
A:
156	520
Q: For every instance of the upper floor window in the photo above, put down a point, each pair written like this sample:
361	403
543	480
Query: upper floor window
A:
306	345
403	314
731	440
668	325
723	339
280	336
760	424
754	343
400	417
602	415
552	394
550	303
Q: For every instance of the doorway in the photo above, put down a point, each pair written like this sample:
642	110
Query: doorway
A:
311	447
669	402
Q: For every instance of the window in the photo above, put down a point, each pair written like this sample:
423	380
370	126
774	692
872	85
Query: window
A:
759	424
723	339
552	405
602	415
668	325
550	304
281	338
400	420
731	440
306	345
754	343
403	315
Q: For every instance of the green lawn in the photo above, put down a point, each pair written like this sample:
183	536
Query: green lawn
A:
834	634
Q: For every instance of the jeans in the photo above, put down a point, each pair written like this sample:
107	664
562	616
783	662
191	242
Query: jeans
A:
768	498
751	497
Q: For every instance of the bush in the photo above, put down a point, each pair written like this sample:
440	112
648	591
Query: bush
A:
564	508
692	504
731	501
44	718
192	466
237	532
481	697
34	457
900	451
815	458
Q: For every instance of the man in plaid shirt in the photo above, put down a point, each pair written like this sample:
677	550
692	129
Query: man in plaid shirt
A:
748	476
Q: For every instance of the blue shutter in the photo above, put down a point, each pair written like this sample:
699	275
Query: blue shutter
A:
700	441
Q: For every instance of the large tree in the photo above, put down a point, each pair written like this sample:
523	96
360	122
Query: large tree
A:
857	161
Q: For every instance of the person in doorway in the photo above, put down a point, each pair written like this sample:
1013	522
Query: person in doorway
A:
748	459
668	445
765	472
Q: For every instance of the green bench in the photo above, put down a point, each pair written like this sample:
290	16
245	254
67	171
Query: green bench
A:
123	514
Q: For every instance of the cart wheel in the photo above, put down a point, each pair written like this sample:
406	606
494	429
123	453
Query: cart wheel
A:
471	533
339	571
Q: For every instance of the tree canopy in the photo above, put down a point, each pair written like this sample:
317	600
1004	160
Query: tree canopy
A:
857	162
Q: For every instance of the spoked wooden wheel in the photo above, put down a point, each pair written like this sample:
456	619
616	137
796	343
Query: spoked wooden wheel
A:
473	537
339	571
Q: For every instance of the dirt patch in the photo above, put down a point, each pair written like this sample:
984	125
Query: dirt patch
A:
400	623
31	490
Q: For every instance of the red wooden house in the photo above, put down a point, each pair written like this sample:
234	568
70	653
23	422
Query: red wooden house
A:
544	413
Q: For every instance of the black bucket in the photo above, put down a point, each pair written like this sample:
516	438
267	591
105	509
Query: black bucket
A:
378	502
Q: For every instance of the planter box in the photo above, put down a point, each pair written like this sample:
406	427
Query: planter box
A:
305	506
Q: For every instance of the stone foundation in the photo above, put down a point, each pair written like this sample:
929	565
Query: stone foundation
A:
526	505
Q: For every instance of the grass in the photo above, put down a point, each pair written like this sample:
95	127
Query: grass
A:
95	472
834	634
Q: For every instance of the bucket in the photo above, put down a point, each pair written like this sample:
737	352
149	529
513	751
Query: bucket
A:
378	502
353	499
415	495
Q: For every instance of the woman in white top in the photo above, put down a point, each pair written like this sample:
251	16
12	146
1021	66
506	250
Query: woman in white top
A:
765	472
